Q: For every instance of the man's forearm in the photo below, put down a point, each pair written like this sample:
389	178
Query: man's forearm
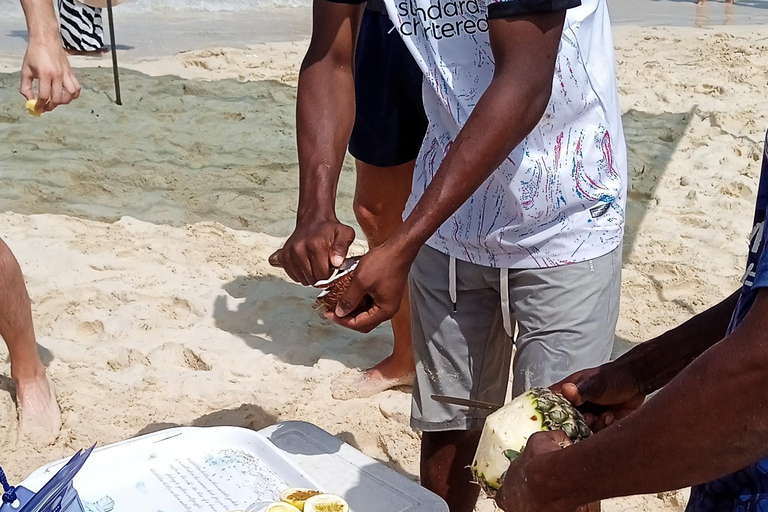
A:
325	115
325	106
706	423
41	21
656	362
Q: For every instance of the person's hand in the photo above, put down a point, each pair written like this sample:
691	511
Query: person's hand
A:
313	250
47	63
604	394
376	290
518	492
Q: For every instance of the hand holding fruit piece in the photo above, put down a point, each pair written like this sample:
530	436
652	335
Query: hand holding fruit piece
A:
507	431
604	394
32	108
519	492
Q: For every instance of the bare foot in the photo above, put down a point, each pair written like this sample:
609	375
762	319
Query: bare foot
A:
39	414
386	375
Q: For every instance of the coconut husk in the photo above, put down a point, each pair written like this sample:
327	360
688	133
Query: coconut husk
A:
336	286
329	298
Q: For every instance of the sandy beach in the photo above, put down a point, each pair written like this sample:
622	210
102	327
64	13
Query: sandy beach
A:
143	232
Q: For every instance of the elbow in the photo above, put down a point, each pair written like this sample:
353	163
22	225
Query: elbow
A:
539	93
527	93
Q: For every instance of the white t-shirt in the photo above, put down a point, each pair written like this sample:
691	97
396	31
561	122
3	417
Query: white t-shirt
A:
559	197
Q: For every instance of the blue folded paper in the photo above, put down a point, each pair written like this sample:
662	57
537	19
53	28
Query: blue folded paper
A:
58	495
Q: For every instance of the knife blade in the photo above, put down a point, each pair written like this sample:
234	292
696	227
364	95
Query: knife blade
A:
477	404
346	265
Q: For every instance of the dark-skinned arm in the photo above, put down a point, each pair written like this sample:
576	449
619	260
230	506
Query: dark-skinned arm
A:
325	114
658	361
614	390
709	421
524	49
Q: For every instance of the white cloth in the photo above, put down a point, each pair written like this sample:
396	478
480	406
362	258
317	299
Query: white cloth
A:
559	198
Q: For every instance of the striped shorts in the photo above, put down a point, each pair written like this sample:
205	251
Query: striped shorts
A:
81	26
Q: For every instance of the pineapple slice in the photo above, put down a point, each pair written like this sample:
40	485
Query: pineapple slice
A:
507	430
326	503
297	497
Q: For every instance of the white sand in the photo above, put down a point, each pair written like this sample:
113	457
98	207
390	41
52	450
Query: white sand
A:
176	319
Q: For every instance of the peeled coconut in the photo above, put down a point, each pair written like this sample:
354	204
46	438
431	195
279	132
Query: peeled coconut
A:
507	430
326	503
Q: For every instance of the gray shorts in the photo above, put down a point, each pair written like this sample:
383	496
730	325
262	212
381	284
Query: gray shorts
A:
565	316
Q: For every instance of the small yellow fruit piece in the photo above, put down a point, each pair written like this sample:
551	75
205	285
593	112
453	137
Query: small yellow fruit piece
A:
31	104
280	506
297	497
326	503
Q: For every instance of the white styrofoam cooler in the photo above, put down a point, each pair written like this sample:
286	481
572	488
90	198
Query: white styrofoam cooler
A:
221	469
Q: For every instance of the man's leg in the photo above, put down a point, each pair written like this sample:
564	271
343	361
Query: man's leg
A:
463	353
445	460
39	416
389	127
380	197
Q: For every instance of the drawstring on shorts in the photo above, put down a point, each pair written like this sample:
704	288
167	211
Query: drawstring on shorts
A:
503	286
505	314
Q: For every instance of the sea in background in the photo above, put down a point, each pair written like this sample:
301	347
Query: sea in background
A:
159	6
155	28
640	11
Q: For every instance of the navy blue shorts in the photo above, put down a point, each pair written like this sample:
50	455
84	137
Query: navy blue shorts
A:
389	122
743	491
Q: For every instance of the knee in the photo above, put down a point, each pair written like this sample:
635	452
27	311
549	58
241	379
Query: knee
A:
6	256
376	222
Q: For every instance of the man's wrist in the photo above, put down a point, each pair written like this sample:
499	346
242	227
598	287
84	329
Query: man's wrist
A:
405	245
42	25
638	366
46	37
552	483
315	212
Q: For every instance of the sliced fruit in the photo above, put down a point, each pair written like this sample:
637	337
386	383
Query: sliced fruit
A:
31	104
297	496
507	430
326	503
281	506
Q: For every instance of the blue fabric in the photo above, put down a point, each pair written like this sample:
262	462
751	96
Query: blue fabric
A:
745	490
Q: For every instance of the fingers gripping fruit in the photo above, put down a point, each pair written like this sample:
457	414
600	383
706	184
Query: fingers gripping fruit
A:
31	104
335	286
507	431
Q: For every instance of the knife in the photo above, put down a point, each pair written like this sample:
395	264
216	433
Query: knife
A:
587	408
477	404
346	265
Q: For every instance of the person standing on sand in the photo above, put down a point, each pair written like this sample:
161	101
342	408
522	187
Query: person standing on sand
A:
516	209
46	62
39	415
706	427
81	28
389	125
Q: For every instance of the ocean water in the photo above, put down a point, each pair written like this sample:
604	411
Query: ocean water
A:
11	7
